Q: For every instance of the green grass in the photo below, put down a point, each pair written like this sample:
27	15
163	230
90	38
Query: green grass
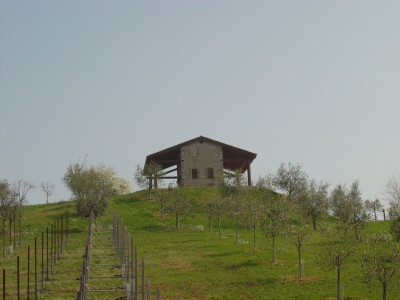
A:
196	264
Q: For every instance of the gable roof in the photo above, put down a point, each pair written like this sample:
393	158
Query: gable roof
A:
233	157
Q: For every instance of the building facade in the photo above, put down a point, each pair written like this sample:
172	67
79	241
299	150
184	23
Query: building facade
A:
200	162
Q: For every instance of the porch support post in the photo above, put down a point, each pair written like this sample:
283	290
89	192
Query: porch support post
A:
249	175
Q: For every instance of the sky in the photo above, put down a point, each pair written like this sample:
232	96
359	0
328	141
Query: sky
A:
308	82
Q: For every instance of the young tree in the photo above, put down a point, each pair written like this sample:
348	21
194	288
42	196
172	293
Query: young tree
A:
314	200
348	207
251	212
8	204
177	203
91	186
290	180
47	189
144	177
231	190
338	247
21	188
381	260
274	216
373	206
298	232
217	208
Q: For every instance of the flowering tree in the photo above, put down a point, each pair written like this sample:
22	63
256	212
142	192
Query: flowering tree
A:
91	187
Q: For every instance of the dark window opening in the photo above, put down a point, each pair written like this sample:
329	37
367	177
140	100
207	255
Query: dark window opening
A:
210	173
195	174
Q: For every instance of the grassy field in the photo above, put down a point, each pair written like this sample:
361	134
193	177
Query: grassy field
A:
196	264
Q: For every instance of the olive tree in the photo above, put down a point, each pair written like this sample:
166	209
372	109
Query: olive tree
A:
338	247
91	187
348	206
373	206
381	261
289	179
297	232
314	200
178	203
274	216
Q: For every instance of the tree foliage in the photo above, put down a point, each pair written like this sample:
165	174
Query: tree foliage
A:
348	206
373	206
381	261
339	246
313	199
178	203
91	187
274	216
289	179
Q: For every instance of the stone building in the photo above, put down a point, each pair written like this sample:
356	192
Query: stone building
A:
200	162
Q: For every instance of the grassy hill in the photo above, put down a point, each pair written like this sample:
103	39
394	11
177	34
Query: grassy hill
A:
194	263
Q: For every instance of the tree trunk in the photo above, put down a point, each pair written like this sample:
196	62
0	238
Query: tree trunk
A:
237	229
254	237
384	286
176	221
314	223
273	249
375	214
338	294
10	231
4	238
299	257
219	226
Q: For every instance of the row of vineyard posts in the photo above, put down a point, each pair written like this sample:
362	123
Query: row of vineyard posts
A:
28	280
136	286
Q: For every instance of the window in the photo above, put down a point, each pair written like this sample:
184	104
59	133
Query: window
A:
195	174
210	173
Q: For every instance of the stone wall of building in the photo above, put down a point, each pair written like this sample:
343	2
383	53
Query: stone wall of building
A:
203	160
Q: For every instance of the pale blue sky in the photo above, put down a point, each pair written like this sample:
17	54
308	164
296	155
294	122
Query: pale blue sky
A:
314	82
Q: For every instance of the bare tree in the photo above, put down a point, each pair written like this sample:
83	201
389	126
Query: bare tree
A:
21	188
48	189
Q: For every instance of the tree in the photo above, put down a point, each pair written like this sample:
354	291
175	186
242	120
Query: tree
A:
21	188
144	177
48	189
314	200
392	191
8	204
381	260
273	216
373	206
217	208
91	186
290	180
251	212
177	203
339	245
348	207
298	232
